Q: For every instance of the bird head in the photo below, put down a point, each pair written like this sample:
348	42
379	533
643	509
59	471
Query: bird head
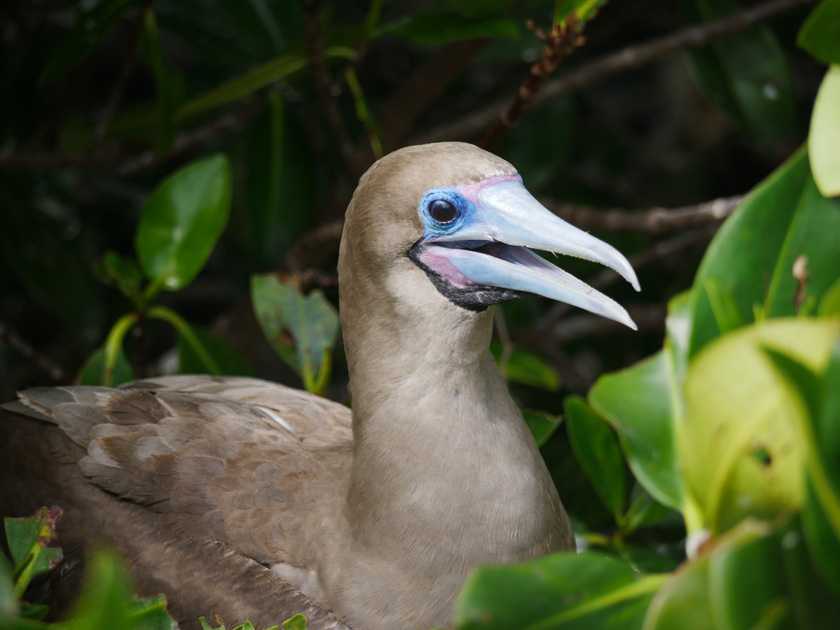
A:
463	218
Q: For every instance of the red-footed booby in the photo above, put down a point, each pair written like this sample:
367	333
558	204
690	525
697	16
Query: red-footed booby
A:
257	501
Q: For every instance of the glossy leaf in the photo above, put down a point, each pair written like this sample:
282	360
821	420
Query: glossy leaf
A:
597	450
561	591
754	250
83	38
823	147
683	601
222	356
527	368
278	185
9	607
745	75
93	370
182	220
435	27
818	35
638	403
740	449
819	397
255	79
542	425
311	320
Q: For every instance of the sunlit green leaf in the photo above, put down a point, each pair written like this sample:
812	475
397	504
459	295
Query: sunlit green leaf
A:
740	449
84	37
583	9
823	147
596	447
562	591
298	622
182	220
818	35
31	543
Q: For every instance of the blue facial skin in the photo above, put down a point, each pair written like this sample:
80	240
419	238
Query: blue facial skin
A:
466	212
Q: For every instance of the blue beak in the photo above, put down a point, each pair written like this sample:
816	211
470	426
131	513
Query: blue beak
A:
498	219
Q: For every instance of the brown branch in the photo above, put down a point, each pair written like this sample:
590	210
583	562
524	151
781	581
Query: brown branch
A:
558	44
653	221
189	140
626	59
314	246
647	317
662	250
55	371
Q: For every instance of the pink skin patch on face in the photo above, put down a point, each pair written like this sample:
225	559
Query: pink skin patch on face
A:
435	259
471	191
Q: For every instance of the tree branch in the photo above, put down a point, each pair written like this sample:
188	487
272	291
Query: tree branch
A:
55	371
626	59
653	221
558	44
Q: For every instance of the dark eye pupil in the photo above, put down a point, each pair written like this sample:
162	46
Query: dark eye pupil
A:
442	211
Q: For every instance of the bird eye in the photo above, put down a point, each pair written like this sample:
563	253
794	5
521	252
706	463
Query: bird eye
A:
442	211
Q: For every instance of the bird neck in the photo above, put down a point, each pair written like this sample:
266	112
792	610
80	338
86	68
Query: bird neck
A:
444	468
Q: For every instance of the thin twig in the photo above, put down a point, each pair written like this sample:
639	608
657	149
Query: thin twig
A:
558	44
626	59
653	221
16	342
188	140
662	250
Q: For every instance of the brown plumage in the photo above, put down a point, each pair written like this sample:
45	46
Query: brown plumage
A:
258	501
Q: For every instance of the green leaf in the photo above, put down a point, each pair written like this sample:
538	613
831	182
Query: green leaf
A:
597	450
168	82
561	591
93	370
182	220
9	607
298	622
224	358
311	320
752	256
30	542
584	9
818	34
527	368
542	424
278	185
819	397
125	274
638	403
81	40
256	79
745	75
740	449
825	129
437	27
